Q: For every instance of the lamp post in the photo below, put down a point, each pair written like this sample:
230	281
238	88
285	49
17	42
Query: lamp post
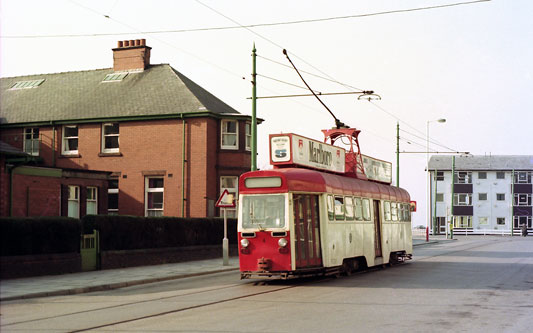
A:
429	215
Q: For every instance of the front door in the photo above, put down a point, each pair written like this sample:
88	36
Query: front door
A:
377	228
306	231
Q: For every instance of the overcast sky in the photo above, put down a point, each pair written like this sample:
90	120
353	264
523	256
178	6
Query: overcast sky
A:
471	64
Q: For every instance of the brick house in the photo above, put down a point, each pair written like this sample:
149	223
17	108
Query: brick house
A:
171	147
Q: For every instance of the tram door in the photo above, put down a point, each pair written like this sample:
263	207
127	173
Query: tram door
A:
377	228
306	230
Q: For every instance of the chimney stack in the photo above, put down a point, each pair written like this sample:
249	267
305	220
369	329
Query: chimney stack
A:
131	55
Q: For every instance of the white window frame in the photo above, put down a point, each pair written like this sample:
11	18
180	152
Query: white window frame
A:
502	194
522	177
367	210
519	220
439	197
104	136
439	176
112	191
484	173
463	177
500	173
500	218
248	136
479	196
483	220
224	133
462	221
73	198
349	208
339	208
462	199
148	190
522	199
230	212
94	200
33	140
65	139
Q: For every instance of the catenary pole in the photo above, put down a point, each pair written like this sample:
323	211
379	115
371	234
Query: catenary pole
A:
254	109
397	154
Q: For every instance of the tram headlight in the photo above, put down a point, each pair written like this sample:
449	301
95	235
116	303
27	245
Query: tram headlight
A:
245	243
282	242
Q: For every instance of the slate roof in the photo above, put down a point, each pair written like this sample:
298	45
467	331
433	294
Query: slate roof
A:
471	162
158	90
7	149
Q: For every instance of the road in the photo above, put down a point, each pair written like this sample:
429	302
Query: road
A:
475	284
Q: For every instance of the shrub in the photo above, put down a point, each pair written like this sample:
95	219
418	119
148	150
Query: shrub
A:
120	232
39	235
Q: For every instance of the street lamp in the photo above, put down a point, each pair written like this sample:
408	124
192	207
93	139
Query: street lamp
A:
441	120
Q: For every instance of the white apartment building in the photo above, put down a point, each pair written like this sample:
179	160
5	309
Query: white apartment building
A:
490	194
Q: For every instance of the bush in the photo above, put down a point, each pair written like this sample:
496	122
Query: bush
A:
39	235
119	232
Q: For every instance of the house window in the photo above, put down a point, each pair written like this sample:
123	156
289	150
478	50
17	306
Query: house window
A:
462	199
482	196
482	175
154	195
112	197
231	184
70	140
31	141
522	177
248	135
92	200
500	175
74	201
348	206
522	199
519	221
500	220
462	221
463	177
440	175
339	208
386	208
110	133
366	209
440	197
500	196
230	134
483	220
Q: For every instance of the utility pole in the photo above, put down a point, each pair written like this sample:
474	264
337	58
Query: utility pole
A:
254	118
397	154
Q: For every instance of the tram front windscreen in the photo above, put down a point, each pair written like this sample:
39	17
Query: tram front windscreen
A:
263	211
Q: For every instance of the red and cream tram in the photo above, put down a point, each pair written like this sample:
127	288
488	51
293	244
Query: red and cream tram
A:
299	221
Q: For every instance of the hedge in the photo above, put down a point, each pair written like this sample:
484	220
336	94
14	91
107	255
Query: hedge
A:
39	235
119	232
47	235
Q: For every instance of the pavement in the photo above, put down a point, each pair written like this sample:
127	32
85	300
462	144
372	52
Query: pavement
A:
85	282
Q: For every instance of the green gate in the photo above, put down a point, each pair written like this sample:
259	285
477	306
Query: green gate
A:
90	251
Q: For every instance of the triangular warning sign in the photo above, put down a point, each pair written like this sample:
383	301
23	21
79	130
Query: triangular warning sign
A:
225	200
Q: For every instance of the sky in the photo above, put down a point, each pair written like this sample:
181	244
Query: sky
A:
469	62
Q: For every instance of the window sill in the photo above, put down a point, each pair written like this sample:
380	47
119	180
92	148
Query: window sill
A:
109	154
70	156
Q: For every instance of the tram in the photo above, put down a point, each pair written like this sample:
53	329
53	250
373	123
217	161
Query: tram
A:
322	210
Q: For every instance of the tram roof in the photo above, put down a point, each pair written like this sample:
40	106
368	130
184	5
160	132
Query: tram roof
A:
306	180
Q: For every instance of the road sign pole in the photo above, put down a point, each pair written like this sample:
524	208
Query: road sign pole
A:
225	242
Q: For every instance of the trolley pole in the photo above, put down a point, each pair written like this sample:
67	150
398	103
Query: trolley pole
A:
254	118
453	195
397	154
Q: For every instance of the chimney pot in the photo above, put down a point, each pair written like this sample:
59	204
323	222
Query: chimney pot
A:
120	43
126	43
137	42
143	42
132	42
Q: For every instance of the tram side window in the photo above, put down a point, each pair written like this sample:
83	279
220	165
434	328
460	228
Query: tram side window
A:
366	209
358	209
348	202
386	206
339	208
331	212
401	208
394	211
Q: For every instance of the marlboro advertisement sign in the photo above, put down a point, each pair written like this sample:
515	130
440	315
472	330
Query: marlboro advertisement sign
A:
292	149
